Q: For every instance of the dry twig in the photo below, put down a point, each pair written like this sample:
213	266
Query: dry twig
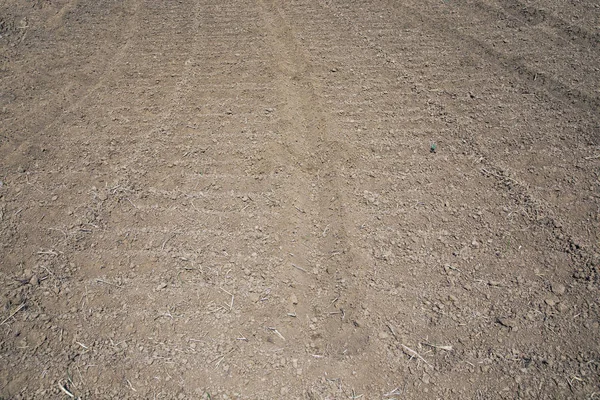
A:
447	348
232	298
107	283
13	313
299	268
413	353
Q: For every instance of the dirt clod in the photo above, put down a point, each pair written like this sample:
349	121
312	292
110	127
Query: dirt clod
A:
34	280
558	289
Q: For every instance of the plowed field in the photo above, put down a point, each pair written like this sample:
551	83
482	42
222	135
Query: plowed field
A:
303	199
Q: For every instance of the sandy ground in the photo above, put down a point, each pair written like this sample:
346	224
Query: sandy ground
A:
303	199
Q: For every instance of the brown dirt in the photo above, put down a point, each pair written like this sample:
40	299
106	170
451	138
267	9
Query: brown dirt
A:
237	200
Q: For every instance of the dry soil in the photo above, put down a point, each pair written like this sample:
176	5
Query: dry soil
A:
300	199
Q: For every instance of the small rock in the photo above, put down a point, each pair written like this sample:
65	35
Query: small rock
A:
34	280
162	286
383	335
294	299
129	329
562	307
558	289
475	244
550	302
254	297
54	198
27	274
333	70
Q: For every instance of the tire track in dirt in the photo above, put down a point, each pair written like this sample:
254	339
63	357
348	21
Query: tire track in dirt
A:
102	145
305	143
539	211
414	50
81	95
320	243
131	28
356	168
535	80
527	196
531	15
540	82
55	21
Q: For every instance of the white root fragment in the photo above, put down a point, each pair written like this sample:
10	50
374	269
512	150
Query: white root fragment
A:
65	391
447	348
